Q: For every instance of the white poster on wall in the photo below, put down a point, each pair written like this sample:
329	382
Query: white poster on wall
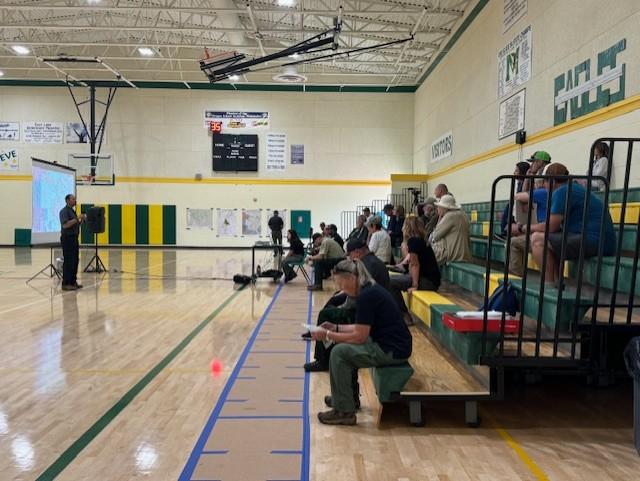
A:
76	133
9	130
227	223
511	115
236	120
442	147
199	219
9	160
251	222
42	132
276	151
514	10
514	63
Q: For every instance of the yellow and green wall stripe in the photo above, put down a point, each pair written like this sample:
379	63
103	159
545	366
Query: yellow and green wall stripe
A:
134	224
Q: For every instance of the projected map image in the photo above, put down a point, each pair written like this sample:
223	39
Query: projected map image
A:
48	191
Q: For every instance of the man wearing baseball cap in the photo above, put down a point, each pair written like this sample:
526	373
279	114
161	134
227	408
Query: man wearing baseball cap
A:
357	249
539	159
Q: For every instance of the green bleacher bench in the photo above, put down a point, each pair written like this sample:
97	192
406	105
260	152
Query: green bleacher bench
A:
390	380
467	346
466	275
607	273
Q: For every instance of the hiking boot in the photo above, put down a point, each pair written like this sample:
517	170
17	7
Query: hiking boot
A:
329	403
315	366
314	288
78	286
69	287
334	417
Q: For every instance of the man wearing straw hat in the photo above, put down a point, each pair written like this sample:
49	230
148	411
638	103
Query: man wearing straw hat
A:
450	239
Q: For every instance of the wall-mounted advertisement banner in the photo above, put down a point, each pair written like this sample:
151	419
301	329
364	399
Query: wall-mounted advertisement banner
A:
76	133
442	147
514	10
514	63
276	151
511	115
42	132
297	154
590	85
9	130
9	160
236	120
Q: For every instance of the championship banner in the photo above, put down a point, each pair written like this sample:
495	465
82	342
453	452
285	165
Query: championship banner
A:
236	120
514	63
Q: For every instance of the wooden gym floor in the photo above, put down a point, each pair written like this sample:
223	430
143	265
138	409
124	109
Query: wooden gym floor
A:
115	382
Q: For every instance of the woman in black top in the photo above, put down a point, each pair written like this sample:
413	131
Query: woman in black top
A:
423	267
295	255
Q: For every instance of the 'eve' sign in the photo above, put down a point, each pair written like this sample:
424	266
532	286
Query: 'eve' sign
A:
572	90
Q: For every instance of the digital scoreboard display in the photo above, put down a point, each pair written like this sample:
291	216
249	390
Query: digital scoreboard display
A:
235	153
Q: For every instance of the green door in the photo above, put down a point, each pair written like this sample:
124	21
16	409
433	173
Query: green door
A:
301	222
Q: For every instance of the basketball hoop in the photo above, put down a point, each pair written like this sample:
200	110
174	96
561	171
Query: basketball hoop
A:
85	179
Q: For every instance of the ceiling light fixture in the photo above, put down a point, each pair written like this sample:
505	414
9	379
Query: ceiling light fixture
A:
146	51
20	49
234	78
295	56
286	3
1	73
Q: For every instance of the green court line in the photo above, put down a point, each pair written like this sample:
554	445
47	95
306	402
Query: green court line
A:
90	434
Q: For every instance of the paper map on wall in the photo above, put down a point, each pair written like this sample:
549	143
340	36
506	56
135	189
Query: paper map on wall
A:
227	223
200	219
251	222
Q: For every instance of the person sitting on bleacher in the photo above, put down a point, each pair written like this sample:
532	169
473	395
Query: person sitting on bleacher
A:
295	254
450	239
539	160
379	240
329	254
424	273
430	219
518	256
332	231
559	219
394	228
600	167
360	231
508	214
379	337
340	309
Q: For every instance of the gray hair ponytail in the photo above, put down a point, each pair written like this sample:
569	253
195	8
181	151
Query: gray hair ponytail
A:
356	268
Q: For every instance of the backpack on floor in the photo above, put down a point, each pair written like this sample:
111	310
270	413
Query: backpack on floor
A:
503	299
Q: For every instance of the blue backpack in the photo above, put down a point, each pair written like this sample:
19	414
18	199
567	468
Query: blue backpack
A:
503	299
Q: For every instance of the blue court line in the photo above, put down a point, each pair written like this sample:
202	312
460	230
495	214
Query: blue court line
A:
260	417
192	462
250	367
244	378
284	451
237	400
293	377
290	400
215	452
306	428
277	352
293	367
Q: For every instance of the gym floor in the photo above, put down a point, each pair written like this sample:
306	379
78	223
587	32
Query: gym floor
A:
145	374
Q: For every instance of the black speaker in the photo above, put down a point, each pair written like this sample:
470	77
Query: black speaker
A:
521	137
95	220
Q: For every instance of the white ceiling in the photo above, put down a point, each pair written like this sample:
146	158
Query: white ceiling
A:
178	31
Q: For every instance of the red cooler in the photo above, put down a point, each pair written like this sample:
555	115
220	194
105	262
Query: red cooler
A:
474	324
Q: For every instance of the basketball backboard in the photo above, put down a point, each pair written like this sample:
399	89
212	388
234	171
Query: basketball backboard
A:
98	172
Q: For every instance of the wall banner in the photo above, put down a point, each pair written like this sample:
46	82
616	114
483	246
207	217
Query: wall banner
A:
9	130
276	151
511	115
514	63
42	132
514	10
236	120
9	160
572	91
442	147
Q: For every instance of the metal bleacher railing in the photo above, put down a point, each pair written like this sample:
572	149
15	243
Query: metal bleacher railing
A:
564	327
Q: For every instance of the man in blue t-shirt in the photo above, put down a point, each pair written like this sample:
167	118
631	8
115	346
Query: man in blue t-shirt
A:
572	221
518	254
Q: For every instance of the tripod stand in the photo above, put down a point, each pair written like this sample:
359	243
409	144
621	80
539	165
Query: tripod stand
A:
52	271
99	265
417	197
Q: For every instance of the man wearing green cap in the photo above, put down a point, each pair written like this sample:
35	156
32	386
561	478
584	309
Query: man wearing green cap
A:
538	160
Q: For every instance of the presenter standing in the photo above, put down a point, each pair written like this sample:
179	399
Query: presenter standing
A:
276	224
70	229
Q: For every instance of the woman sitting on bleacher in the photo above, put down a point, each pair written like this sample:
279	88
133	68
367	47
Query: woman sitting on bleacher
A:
379	337
379	240
423	267
450	239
